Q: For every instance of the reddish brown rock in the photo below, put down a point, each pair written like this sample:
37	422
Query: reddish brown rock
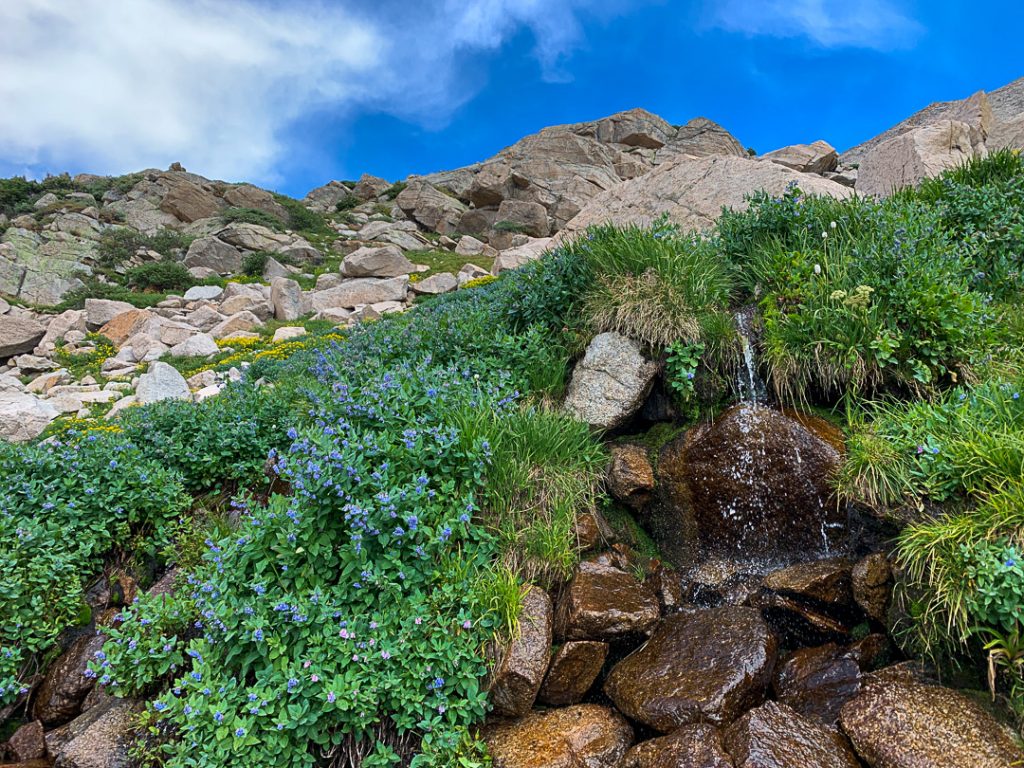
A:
755	482
817	682
27	743
188	202
518	675
630	477
898	722
692	746
604	603
810	602
588	531
584	736
572	672
125	325
776	736
872	585
65	686
706	666
666	584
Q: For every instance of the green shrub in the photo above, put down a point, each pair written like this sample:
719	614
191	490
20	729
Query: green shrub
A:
118	245
302	219
395	190
95	289
509	226
162	276
62	509
347	203
253	216
254	263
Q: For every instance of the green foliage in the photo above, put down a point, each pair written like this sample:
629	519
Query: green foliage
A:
253	216
447	261
395	190
254	263
165	276
681	364
509	226
302	219
93	288
62	509
118	244
87	361
996	570
347	203
17	194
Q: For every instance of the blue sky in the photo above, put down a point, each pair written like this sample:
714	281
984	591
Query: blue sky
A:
292	94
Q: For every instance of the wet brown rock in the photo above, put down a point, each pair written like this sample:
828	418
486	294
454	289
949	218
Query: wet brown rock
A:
776	736
100	738
572	671
692	746
60	696
666	584
898	722
872	585
27	743
518	676
705	666
810	602
604	603
588	531
584	736
755	482
630	476
817	682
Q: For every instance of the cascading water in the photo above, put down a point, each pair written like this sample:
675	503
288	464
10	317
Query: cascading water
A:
749	386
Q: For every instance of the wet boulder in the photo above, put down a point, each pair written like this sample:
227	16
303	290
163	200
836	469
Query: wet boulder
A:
810	602
692	746
630	478
604	603
872	585
583	736
900	722
65	686
817	682
776	736
708	666
572	671
520	671
753	483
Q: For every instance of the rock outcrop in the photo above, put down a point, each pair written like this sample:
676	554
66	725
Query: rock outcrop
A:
611	381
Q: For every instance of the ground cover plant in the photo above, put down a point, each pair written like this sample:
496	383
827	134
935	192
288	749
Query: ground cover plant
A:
375	498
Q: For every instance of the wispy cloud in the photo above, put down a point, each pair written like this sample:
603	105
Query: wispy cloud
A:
116	85
875	24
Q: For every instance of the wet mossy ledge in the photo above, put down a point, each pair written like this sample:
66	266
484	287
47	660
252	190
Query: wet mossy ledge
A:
500	498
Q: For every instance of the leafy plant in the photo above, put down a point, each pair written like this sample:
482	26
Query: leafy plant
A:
681	367
252	216
160	276
254	263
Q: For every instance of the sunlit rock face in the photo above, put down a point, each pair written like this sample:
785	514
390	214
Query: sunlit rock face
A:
755	483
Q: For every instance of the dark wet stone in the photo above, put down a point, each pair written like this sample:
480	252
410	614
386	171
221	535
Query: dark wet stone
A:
705	666
811	602
630	477
65	686
872	586
777	736
817	682
583	736
604	603
666	584
692	746
573	670
899	722
518	675
754	483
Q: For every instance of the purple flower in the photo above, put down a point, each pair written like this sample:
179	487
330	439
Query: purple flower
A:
331	697
240	732
218	716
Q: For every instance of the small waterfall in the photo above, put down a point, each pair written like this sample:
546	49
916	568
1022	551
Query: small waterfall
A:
749	386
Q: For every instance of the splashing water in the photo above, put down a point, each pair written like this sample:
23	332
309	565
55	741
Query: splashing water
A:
748	384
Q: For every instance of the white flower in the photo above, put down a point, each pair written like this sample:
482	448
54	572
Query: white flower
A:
824	234
817	269
833	225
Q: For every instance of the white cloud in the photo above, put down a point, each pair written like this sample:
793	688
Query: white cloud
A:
117	85
875	24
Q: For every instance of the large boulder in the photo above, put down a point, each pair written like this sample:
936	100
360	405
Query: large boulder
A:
523	216
252	237
23	416
99	312
693	191
817	157
919	154
211	253
572	671
520	671
18	334
162	382
353	293
810	602
385	261
442	282
604	603
326	198
708	666
100	738
692	746
897	722
189	202
630	477
248	196
583	736
60	697
430	207
817	682
611	382
872	580
517	256
755	482
286	298
41	267
776	736
1007	135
